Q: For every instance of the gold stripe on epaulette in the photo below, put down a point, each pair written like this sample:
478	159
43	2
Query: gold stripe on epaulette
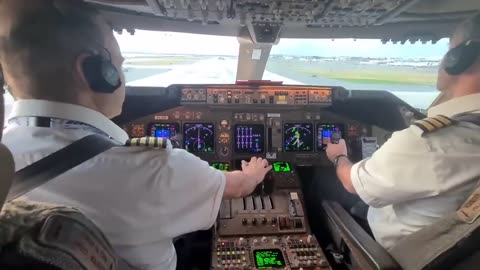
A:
433	123
426	125
151	141
437	123
447	121
148	142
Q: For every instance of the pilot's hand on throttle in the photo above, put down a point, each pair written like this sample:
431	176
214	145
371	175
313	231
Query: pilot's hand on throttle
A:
335	150
257	168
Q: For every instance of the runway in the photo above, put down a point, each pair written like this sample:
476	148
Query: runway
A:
223	71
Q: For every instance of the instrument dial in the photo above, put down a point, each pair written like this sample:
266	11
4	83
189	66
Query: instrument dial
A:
138	131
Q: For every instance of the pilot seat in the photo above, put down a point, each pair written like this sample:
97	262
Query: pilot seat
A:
43	236
451	243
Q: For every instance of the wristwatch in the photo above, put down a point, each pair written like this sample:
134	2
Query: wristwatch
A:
337	159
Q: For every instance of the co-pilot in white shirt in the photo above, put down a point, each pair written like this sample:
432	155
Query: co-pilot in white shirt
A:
140	197
413	180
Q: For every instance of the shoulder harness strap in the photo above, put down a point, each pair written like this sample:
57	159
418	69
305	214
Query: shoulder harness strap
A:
435	123
153	142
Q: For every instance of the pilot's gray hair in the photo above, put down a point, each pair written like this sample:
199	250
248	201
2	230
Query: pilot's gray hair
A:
41	42
470	28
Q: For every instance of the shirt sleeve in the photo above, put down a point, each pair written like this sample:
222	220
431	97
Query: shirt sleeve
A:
404	168
189	193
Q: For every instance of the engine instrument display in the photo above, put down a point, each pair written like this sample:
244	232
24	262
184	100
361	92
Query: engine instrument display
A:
164	130
269	258
298	137
222	166
249	138
324	134
281	166
199	137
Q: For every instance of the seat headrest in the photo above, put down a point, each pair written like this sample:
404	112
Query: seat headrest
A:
7	173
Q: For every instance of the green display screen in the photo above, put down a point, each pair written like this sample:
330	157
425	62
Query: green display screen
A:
281	166
222	166
269	258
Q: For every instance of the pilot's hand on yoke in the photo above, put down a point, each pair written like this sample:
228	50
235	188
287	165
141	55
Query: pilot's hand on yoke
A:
336	150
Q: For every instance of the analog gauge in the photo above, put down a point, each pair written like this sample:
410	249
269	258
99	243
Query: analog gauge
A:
224	124
224	138
138	131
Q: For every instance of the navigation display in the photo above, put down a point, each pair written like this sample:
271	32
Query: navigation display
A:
298	137
269	258
164	130
324	133
249	138
199	137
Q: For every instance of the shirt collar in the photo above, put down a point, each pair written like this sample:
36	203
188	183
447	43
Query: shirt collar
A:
44	108
465	104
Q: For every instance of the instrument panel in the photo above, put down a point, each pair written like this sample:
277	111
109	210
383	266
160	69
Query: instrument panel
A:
290	126
224	123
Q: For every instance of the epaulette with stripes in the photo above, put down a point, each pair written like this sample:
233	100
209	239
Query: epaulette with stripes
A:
432	124
153	142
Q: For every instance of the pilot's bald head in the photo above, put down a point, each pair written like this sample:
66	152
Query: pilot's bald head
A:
40	41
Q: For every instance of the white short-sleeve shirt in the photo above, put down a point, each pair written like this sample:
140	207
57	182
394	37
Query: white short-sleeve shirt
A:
414	180
140	197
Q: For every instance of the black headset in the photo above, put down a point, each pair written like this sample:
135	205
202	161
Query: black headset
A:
100	73
462	57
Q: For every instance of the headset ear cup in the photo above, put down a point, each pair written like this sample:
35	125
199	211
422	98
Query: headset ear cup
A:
459	59
102	76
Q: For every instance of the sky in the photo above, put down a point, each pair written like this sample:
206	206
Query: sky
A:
184	43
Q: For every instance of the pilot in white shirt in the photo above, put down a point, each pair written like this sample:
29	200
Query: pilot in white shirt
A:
140	197
429	169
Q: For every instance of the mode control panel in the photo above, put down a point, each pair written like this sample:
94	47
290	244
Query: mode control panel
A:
288	95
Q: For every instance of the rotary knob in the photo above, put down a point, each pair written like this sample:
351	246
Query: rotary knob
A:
241	241
244	221
309	239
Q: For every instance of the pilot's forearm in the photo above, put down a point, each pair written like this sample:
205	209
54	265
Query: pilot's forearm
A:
237	185
344	168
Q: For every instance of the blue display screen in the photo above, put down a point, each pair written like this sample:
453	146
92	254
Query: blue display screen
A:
164	130
162	133
324	133
249	138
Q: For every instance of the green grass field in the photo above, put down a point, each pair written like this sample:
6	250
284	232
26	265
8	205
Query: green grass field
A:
356	72
375	76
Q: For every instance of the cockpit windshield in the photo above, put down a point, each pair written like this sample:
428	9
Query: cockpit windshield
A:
407	70
163	58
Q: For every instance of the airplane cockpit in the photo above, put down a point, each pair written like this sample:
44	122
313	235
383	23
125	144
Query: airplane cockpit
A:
300	217
288	125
